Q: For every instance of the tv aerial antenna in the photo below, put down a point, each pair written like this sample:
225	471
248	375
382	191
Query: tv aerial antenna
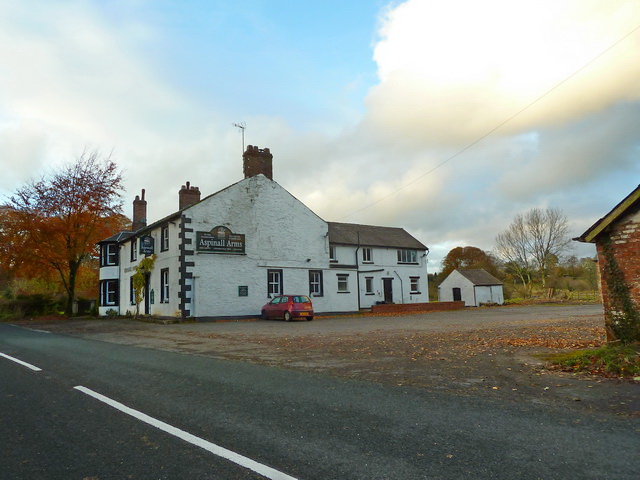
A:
241	127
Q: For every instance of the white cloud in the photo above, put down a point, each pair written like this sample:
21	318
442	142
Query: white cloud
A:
576	153
452	71
73	77
449	72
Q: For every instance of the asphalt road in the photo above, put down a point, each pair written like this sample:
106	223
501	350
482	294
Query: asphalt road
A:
305	426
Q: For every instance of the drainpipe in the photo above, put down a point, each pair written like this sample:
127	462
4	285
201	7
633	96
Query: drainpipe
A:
358	272
426	274
119	280
401	287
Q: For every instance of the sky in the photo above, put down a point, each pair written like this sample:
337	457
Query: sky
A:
444	118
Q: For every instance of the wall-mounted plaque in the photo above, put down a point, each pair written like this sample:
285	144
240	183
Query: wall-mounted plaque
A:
146	245
219	240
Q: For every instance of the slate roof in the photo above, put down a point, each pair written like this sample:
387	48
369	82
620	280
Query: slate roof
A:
372	236
631	201
118	237
480	277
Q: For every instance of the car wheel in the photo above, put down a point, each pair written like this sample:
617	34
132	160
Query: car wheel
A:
287	316
264	315
309	319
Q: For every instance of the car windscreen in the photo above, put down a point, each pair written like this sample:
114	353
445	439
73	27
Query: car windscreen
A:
301	299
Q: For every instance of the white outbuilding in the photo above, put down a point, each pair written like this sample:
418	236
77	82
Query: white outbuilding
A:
473	287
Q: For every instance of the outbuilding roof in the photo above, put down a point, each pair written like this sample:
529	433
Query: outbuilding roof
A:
630	202
372	236
480	277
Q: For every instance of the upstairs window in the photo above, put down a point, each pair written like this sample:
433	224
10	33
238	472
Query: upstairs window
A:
366	255
332	254
407	256
109	254
164	238
134	249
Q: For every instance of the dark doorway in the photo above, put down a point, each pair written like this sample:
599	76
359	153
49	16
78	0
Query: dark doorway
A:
457	295
387	286
147	281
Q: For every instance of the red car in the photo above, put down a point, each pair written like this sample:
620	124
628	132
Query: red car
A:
288	307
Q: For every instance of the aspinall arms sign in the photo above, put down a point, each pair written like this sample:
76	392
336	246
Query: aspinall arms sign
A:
220	240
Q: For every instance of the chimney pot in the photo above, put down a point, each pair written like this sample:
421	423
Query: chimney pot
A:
139	212
256	161
188	195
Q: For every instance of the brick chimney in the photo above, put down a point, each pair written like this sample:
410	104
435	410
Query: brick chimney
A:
188	195
257	160
139	212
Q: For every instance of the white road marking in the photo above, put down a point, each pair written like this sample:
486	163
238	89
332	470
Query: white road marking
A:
27	328
197	441
36	330
24	364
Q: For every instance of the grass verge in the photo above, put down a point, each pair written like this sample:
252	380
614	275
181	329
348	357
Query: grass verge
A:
609	360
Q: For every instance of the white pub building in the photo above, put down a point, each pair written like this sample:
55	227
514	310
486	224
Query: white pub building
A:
226	254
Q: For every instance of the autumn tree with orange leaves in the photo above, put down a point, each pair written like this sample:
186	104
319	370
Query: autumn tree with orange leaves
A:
52	225
467	258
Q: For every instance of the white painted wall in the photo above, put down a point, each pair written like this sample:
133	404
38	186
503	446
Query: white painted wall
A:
385	265
281	233
126	269
456	279
489	294
472	295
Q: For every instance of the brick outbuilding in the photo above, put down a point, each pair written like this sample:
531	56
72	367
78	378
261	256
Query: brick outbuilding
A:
617	239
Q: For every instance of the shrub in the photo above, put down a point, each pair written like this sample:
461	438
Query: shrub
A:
29	305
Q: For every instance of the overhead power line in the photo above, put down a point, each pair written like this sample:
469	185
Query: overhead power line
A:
497	127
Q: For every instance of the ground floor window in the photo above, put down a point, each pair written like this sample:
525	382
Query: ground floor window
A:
108	292
415	284
315	283
274	282
164	285
343	283
368	285
132	291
